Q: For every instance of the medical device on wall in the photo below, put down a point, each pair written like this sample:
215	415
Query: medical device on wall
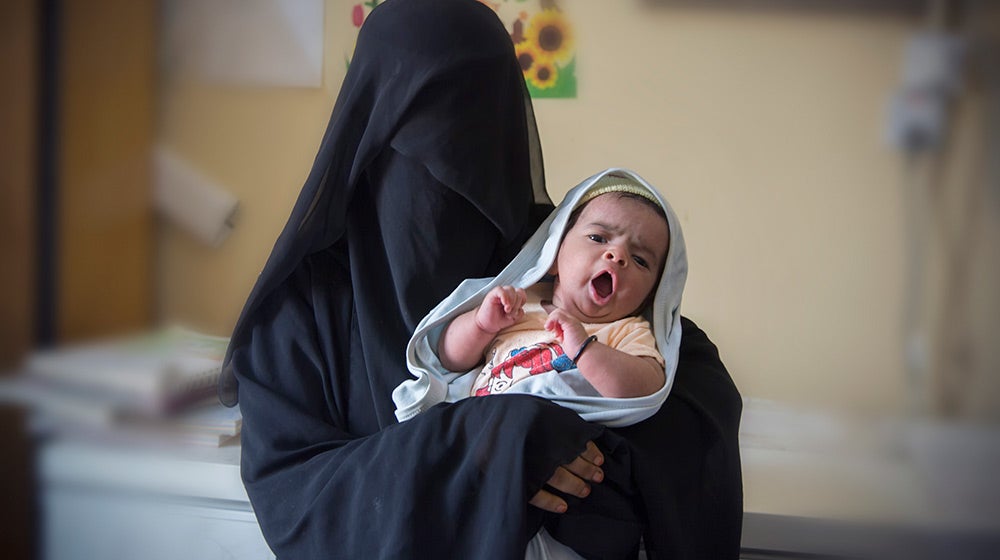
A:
190	200
931	79
919	124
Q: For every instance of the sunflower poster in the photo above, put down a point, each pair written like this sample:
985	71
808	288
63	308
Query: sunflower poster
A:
543	42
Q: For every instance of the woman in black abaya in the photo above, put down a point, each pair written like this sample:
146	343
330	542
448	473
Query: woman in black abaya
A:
429	173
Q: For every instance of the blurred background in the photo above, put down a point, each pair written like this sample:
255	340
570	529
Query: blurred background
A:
835	165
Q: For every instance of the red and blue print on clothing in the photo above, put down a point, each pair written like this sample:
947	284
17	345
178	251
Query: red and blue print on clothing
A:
524	361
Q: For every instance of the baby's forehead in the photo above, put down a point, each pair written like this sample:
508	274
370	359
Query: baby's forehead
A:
628	213
624	208
626	201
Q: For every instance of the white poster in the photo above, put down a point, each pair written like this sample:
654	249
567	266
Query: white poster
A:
245	42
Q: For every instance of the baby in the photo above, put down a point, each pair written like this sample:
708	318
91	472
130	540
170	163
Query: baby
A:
586	315
607	266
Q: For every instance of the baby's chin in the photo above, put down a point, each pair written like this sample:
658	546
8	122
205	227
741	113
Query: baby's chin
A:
598	316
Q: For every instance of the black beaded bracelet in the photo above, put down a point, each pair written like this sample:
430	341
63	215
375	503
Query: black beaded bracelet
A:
583	347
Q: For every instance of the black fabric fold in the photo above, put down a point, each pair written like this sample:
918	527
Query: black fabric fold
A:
675	478
435	81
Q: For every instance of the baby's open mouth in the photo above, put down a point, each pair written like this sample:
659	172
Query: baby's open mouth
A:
603	285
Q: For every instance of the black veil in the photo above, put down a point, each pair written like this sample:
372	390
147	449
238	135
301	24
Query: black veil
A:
430	172
428	82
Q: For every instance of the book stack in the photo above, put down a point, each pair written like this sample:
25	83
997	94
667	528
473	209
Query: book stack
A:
153	387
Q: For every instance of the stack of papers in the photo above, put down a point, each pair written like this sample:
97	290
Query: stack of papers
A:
159	385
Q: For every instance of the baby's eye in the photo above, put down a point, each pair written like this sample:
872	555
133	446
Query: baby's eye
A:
641	262
596	238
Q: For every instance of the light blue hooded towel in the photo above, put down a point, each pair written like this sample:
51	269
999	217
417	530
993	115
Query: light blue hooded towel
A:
432	384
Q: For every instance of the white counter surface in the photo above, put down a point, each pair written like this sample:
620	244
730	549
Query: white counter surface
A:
811	480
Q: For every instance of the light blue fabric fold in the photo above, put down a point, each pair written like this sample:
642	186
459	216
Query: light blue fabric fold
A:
433	384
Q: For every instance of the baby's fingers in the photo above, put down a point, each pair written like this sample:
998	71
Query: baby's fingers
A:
520	298
513	300
553	325
495	296
507	298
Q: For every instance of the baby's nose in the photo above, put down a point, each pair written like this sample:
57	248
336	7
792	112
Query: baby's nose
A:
612	255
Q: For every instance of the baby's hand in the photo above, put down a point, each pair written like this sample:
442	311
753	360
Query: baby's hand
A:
567	329
503	306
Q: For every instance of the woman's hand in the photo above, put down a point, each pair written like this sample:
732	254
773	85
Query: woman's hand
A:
573	478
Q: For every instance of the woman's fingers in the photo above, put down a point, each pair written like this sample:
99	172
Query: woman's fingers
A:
567	483
548	501
592	454
588	465
572	479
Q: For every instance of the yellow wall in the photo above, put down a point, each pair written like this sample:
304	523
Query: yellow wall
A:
763	127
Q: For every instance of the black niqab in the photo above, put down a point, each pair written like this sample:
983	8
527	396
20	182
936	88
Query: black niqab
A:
428	173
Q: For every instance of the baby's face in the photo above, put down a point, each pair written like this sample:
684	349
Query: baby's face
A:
610	259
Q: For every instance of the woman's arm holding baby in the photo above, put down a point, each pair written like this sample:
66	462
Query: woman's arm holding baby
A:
612	372
465	339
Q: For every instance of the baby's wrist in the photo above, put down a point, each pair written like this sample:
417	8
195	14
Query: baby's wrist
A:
482	329
587	342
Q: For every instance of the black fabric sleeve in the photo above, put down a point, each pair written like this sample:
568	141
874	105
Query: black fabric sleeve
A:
686	459
673	479
451	483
